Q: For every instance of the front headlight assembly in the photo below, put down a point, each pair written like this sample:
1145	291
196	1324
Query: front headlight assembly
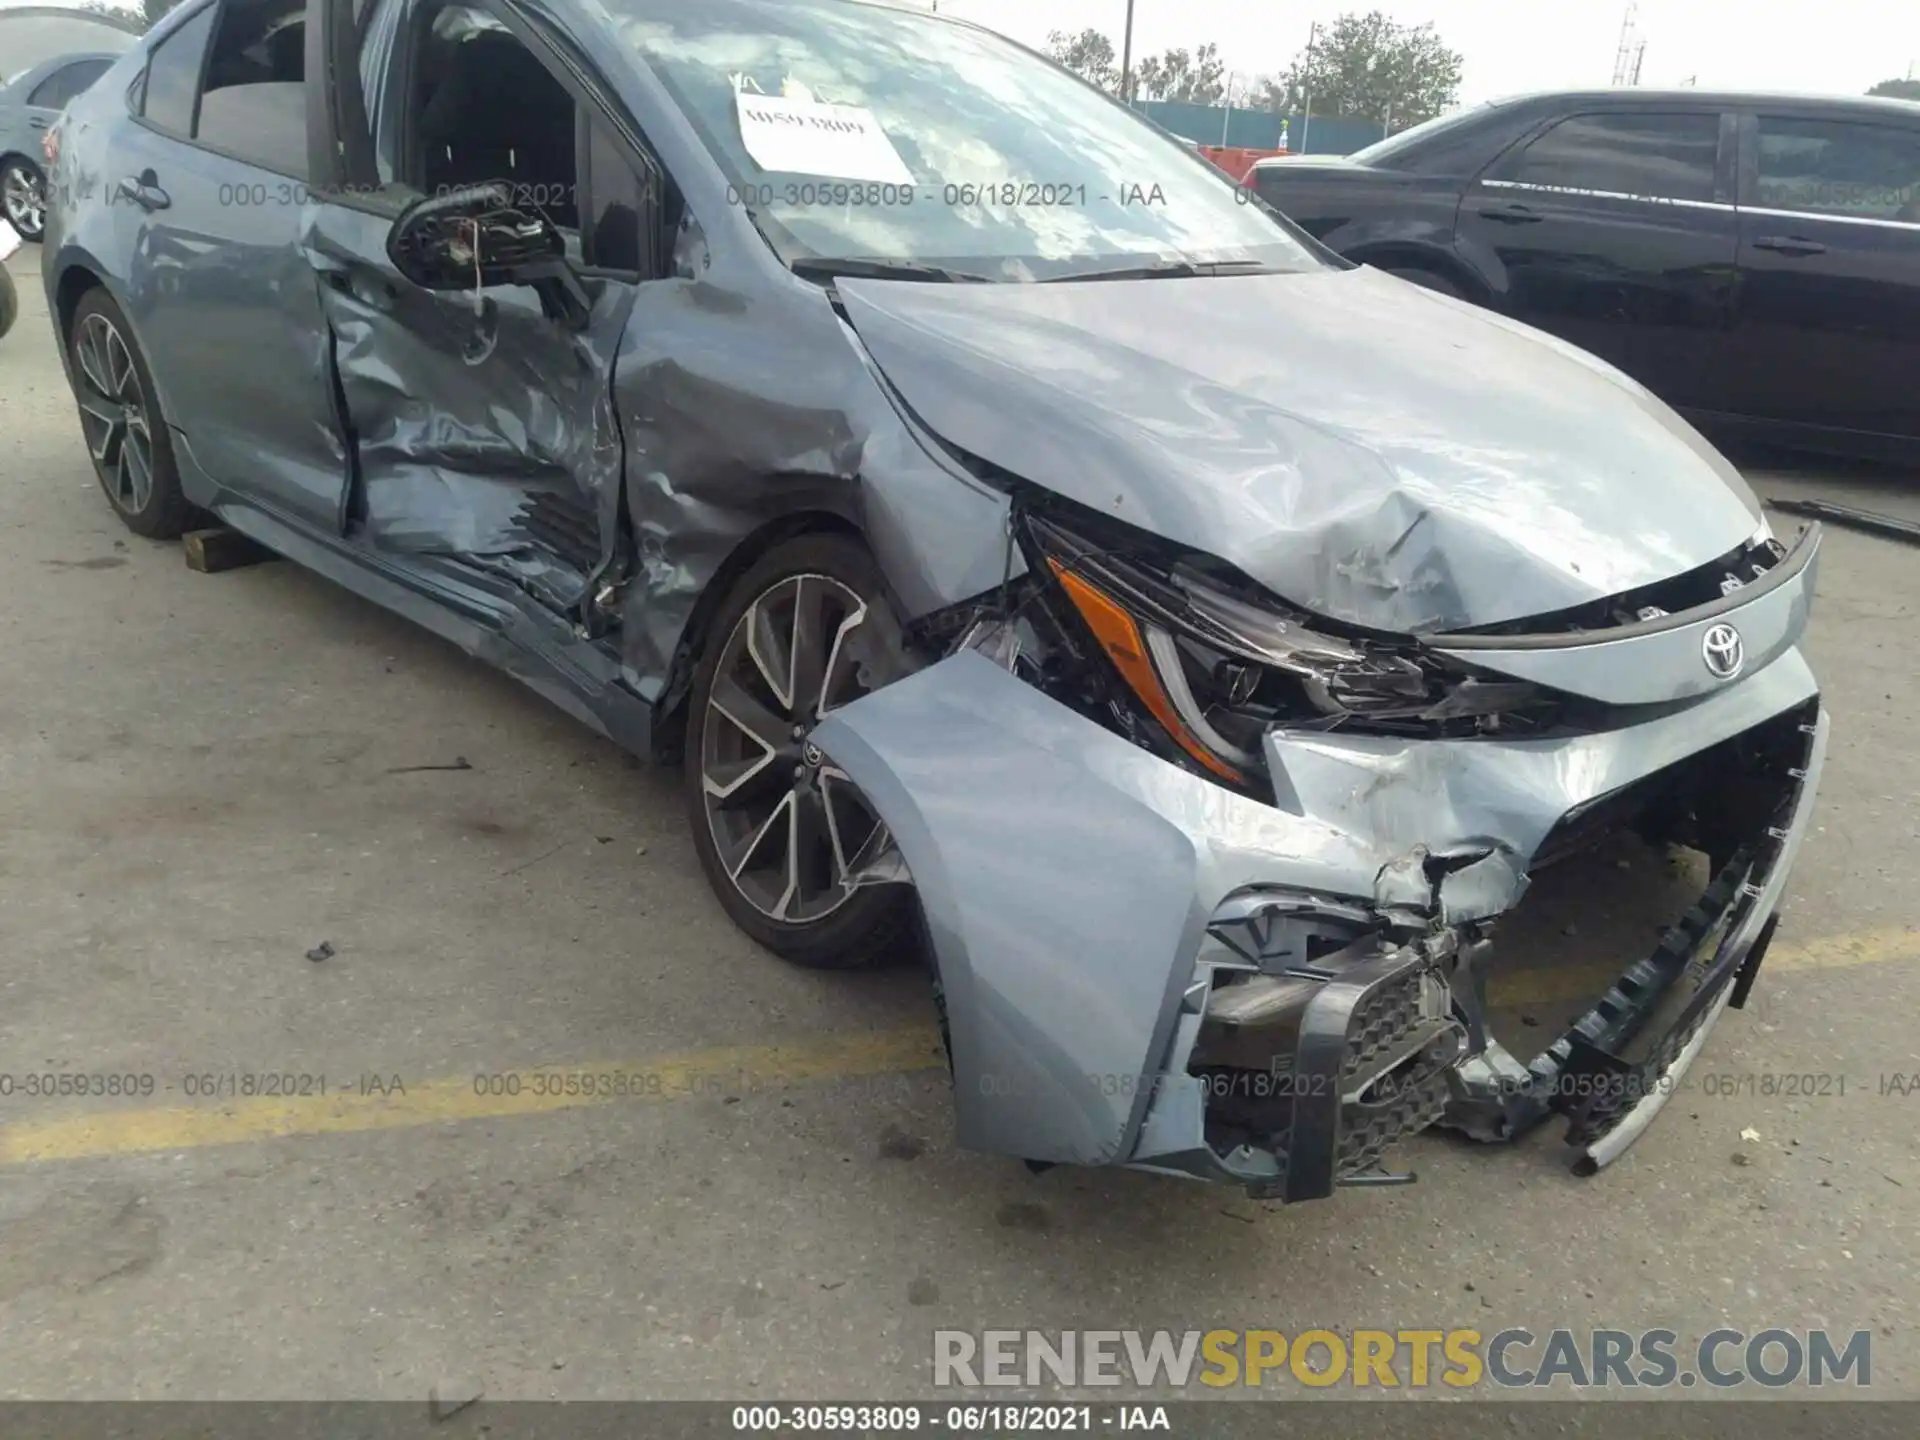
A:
1215	661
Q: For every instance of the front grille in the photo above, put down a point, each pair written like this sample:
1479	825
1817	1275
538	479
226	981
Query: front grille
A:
1381	1022
1401	1104
1358	1065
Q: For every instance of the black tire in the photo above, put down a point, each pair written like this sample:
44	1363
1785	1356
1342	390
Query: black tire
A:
121	421
752	864
9	301
20	171
1430	280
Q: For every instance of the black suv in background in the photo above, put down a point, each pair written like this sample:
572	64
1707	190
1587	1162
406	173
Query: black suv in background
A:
1752	259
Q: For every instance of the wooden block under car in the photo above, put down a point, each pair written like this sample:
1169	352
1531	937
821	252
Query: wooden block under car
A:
211	551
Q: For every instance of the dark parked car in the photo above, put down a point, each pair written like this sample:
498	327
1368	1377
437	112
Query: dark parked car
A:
29	103
1023	541
1754	260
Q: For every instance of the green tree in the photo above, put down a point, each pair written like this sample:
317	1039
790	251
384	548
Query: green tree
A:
120	14
1898	89
1365	67
1089	55
1198	77
1273	92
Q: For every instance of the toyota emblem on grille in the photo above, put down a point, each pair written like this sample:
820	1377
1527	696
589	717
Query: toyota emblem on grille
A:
1721	648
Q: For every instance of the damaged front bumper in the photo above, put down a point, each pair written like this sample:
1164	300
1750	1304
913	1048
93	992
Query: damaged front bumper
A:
1140	967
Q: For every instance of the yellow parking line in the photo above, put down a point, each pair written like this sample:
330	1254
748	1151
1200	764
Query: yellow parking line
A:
711	1073
724	1070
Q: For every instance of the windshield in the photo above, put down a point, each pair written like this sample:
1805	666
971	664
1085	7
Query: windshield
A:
1384	152
850	130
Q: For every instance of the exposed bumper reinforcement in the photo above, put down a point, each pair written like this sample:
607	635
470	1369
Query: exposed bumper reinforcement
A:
1088	904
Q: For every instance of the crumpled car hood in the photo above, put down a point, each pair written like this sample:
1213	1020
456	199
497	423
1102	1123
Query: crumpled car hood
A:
1365	449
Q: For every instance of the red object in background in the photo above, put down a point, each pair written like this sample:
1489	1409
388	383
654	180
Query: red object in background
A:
1237	160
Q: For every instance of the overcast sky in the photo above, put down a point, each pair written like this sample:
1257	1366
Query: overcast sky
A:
1837	45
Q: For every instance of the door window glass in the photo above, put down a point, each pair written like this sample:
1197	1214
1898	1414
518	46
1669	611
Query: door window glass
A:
632	213
1662	157
612	238
380	23
1828	167
173	75
57	89
254	104
483	109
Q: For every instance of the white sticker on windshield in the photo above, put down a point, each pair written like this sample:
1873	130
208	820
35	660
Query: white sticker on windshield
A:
806	137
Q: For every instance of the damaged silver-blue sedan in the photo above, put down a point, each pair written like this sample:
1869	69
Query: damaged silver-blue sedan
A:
1034	548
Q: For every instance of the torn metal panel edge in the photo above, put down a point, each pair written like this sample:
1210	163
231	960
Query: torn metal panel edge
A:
1078	952
775	445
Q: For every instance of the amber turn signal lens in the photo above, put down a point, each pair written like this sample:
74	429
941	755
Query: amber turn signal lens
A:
1120	637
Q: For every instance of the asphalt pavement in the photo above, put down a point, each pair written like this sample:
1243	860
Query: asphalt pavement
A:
208	780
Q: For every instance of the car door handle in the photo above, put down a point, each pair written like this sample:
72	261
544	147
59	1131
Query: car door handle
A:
1510	214
143	191
1789	245
36	123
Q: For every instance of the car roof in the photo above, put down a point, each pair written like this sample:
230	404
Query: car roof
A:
1635	96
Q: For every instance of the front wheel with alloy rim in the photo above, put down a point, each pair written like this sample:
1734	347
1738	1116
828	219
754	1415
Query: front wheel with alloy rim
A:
126	434
23	197
781	831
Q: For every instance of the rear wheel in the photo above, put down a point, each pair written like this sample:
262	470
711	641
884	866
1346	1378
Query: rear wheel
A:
126	434
23	197
779	828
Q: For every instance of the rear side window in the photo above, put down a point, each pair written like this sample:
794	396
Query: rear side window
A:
1828	167
57	89
254	103
1658	157
173	75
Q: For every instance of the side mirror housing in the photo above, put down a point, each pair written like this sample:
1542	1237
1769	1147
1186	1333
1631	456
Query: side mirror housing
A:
474	237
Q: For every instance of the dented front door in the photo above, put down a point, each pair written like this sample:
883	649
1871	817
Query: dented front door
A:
482	429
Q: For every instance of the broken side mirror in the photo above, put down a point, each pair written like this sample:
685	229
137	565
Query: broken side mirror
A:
474	237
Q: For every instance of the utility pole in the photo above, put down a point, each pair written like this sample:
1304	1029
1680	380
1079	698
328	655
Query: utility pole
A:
1306	120
1126	60
1226	115
1623	57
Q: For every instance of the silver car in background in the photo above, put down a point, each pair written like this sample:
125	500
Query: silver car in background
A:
1042	557
30	103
